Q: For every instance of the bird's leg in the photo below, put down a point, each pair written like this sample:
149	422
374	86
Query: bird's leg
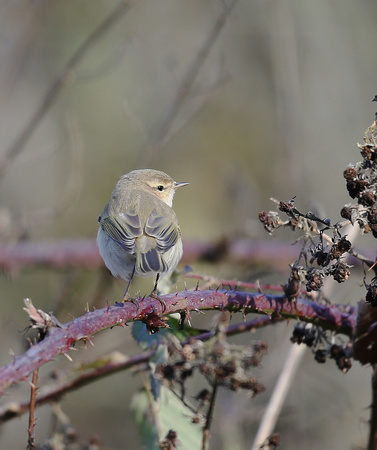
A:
154	293
126	297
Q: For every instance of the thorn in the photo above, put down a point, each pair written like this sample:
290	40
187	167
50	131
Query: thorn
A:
188	317
87	308
68	357
185	286
32	385
197	287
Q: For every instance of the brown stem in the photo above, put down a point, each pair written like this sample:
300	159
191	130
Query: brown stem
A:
211	408
372	445
33	395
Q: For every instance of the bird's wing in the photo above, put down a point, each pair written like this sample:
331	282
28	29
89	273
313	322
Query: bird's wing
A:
161	234
164	230
123	228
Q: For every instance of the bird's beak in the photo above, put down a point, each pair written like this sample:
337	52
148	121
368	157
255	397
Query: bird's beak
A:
177	185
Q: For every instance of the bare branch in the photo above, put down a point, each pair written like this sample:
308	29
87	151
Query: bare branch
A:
185	89
65	76
207	425
33	394
84	253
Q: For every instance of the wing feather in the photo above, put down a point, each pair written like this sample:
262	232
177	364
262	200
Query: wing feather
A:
164	230
123	229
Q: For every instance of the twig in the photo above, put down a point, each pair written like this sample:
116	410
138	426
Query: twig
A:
84	253
362	258
372	444
185	88
279	394
33	394
207	425
65	76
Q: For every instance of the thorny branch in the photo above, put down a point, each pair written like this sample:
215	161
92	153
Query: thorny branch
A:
84	374
60	340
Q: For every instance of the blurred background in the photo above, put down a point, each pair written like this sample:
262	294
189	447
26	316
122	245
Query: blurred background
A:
268	99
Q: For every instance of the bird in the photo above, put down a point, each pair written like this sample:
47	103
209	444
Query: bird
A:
138	230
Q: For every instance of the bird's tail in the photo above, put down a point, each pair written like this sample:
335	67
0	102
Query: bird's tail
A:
150	262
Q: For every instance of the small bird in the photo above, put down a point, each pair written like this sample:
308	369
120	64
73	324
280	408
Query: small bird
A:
139	232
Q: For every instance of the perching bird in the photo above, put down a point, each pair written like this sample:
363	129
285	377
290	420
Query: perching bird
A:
139	232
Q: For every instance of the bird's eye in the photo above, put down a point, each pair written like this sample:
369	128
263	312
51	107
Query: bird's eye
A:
160	187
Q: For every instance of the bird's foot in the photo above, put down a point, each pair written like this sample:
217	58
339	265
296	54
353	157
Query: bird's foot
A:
157	297
127	298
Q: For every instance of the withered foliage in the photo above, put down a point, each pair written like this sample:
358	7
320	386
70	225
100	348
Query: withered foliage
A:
325	247
221	363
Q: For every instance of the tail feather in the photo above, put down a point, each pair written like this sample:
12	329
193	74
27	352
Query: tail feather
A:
149	262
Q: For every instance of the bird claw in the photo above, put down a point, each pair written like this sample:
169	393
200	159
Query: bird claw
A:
157	297
127	298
